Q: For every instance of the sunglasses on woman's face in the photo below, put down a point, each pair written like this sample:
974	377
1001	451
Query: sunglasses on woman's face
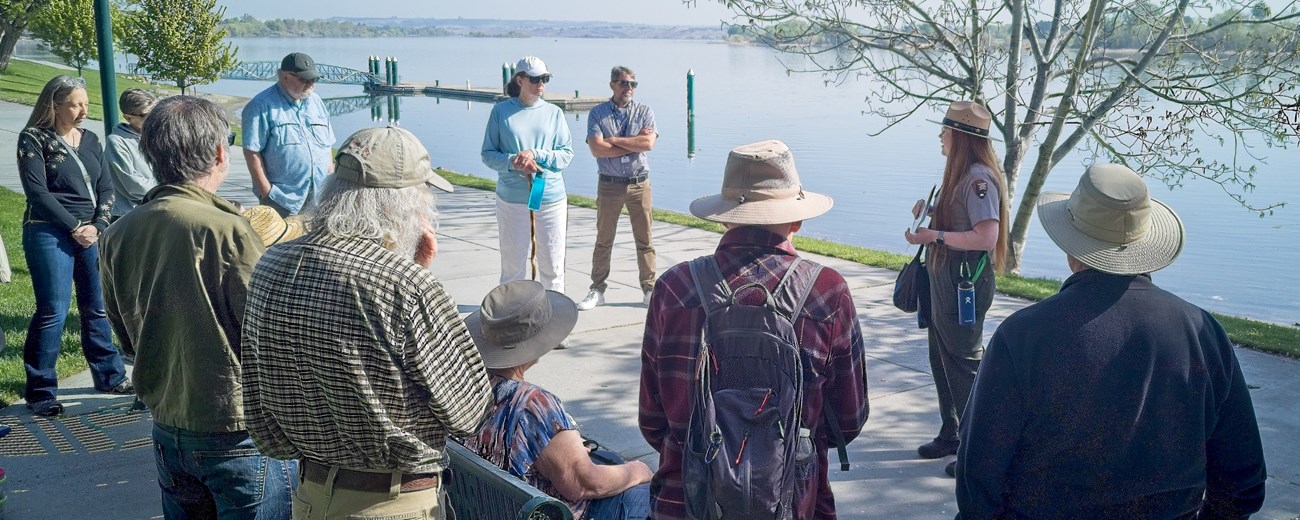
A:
543	79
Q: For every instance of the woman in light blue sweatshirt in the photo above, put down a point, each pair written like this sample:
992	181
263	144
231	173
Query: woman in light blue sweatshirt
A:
132	175
528	143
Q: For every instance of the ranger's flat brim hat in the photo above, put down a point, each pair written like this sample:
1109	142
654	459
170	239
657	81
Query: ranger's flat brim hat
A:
760	186
968	117
1111	224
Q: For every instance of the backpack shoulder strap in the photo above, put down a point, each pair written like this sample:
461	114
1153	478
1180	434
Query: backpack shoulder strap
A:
792	292
791	295
710	285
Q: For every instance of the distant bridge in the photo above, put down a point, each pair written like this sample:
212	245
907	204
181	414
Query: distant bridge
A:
266	71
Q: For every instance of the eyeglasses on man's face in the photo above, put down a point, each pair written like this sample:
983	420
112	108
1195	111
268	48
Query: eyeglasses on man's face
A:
626	83
544	78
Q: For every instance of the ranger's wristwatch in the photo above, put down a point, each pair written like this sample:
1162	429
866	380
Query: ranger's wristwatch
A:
939	239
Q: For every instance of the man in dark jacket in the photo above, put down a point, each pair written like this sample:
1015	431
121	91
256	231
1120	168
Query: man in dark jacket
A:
1113	398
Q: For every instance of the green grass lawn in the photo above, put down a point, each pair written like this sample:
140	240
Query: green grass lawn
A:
17	303
23	81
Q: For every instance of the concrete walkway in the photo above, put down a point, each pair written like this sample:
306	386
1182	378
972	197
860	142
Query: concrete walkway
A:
95	462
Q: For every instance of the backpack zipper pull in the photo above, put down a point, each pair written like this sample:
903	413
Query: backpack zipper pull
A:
764	403
741	451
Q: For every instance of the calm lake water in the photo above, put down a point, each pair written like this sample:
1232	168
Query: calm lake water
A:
1234	261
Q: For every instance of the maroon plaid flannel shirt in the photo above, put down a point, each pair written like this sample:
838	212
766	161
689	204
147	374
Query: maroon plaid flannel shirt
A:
835	367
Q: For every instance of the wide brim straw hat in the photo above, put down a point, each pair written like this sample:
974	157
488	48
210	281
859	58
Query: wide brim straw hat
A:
1111	223
519	322
271	228
761	186
968	117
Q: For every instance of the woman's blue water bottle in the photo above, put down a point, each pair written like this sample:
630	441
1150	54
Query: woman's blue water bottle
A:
966	303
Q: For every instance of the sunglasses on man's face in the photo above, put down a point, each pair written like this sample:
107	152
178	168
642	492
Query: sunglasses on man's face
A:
626	83
543	79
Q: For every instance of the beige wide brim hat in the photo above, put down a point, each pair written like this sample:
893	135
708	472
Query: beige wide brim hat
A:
519	322
761	186
1111	224
271	228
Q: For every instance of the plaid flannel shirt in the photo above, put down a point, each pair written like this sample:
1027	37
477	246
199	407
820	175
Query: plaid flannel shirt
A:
834	363
355	357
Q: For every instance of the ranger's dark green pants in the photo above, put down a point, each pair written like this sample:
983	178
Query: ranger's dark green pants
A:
955	350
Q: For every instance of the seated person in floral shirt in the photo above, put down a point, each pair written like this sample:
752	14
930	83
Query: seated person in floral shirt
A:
528	432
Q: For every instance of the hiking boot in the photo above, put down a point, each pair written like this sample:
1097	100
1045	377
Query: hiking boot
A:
593	299
123	388
647	293
937	449
46	408
951	469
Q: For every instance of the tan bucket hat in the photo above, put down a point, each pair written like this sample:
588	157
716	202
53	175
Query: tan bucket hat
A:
1111	223
271	228
520	321
968	117
760	186
386	157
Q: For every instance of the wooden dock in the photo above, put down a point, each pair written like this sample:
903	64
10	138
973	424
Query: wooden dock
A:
480	94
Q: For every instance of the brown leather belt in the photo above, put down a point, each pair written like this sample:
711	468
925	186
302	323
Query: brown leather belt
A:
365	481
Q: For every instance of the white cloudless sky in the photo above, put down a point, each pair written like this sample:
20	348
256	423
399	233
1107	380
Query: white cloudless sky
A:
659	12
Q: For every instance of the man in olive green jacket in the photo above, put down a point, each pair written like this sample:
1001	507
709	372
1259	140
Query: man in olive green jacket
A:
175	274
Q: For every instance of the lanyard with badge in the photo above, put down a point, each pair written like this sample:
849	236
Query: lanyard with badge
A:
622	129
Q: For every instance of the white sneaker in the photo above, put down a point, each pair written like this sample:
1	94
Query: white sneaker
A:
593	299
646	301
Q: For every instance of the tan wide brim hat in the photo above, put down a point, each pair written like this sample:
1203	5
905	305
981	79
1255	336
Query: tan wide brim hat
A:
1111	224
271	228
519	322
761	186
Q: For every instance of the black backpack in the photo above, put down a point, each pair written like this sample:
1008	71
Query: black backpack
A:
746	449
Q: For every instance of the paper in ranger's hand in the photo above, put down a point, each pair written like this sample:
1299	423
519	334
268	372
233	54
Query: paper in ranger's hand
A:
925	210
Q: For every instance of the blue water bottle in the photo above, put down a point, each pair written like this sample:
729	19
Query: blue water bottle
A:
535	196
966	303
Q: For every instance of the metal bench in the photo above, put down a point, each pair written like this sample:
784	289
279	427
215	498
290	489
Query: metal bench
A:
481	491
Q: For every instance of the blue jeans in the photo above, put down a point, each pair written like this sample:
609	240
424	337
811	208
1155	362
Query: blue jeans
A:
57	263
219	475
633	504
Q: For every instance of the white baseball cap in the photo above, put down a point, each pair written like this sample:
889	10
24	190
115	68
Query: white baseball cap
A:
532	66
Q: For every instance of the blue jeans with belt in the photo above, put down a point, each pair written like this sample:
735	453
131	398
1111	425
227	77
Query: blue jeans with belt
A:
219	475
57	263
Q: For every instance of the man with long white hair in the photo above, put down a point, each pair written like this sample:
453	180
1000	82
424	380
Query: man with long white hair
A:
356	362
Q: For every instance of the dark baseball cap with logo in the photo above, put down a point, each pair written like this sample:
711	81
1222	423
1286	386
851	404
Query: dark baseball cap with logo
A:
300	64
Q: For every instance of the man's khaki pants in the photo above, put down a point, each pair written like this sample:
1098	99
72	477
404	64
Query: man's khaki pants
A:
325	501
611	197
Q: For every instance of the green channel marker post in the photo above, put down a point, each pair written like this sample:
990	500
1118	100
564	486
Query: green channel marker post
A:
107	68
505	78
690	114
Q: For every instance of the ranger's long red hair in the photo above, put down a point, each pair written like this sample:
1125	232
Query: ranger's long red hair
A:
965	151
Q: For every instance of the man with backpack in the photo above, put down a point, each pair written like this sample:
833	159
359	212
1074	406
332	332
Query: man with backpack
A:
752	364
